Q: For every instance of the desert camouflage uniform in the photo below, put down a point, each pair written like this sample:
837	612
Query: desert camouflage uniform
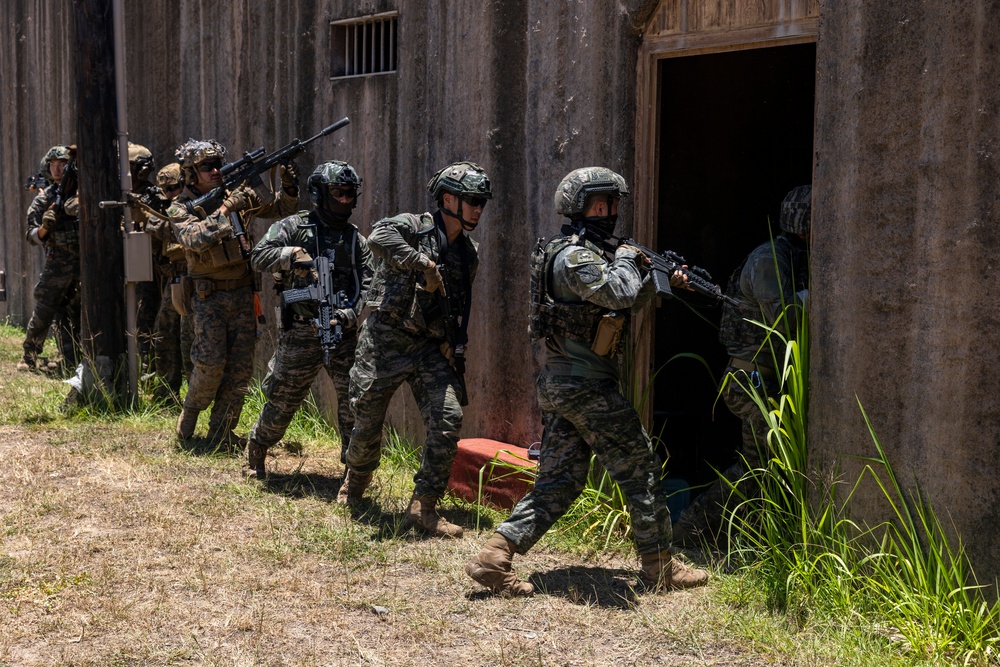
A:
222	306
57	293
172	332
299	355
583	409
401	342
769	278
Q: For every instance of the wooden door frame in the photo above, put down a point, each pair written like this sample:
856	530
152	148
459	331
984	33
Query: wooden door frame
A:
655	48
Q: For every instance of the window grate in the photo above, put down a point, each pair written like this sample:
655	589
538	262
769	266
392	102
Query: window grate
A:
363	46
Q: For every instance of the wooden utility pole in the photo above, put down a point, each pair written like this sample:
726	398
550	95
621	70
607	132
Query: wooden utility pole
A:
101	254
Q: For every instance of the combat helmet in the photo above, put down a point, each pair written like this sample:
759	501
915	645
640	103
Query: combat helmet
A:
195	151
55	153
333	173
169	175
796	210
141	163
577	185
461	179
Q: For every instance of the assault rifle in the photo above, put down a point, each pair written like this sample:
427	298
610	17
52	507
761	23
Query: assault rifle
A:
248	170
454	337
663	266
331	333
147	201
36	182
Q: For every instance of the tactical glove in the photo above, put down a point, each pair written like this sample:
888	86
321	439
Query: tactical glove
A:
345	317
237	200
625	251
303	265
49	220
433	280
289	177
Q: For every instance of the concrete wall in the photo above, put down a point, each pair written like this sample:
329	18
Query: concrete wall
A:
529	89
904	305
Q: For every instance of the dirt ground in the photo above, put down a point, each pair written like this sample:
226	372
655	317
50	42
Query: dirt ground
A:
120	549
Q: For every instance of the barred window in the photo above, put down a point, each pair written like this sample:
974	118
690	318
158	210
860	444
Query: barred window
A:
363	46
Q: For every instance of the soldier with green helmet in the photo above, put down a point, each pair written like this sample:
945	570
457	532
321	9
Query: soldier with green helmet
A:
288	251
774	277
53	224
580	305
420	297
222	300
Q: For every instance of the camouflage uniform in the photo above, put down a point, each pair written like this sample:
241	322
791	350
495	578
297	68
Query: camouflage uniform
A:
771	277
299	355
57	293
222	306
583	410
172	332
401	342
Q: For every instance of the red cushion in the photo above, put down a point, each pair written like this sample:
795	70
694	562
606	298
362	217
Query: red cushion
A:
502	485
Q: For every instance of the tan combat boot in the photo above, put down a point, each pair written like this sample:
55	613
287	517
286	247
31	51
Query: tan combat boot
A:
353	488
663	572
492	569
28	364
186	423
422	513
256	455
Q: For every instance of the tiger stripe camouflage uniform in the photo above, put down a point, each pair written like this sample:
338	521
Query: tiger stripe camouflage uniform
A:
580	306
222	305
57	292
401	342
771	276
299	356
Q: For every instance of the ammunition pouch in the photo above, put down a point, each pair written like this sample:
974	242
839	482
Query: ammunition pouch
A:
608	335
181	288
218	256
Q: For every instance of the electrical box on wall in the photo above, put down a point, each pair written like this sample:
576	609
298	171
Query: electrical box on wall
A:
138	257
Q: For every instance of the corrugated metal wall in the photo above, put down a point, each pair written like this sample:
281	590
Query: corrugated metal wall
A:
529	89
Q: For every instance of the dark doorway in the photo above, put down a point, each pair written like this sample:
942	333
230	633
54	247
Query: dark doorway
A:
736	134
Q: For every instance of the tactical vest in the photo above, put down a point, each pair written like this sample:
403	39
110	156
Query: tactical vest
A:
547	317
340	247
736	333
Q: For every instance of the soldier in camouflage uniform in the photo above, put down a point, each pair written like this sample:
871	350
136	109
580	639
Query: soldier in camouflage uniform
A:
287	251
223	300
53	223
580	304
422	290
147	293
173	332
773	276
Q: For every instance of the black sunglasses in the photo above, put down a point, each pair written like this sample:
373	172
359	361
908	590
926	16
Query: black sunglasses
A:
475	202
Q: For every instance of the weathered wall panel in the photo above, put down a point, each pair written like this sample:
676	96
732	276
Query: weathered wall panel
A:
905	235
529	89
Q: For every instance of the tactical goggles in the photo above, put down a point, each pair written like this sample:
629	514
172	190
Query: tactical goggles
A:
209	166
339	192
473	201
173	188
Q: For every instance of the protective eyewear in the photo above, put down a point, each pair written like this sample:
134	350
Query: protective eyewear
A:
475	202
209	166
341	193
173	188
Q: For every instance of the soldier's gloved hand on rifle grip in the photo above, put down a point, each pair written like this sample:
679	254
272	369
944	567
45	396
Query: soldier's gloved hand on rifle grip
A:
626	251
48	220
345	317
432	278
237	200
302	264
290	178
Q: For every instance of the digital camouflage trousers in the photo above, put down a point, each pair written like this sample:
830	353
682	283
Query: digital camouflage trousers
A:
387	356
225	334
581	416
57	299
297	361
